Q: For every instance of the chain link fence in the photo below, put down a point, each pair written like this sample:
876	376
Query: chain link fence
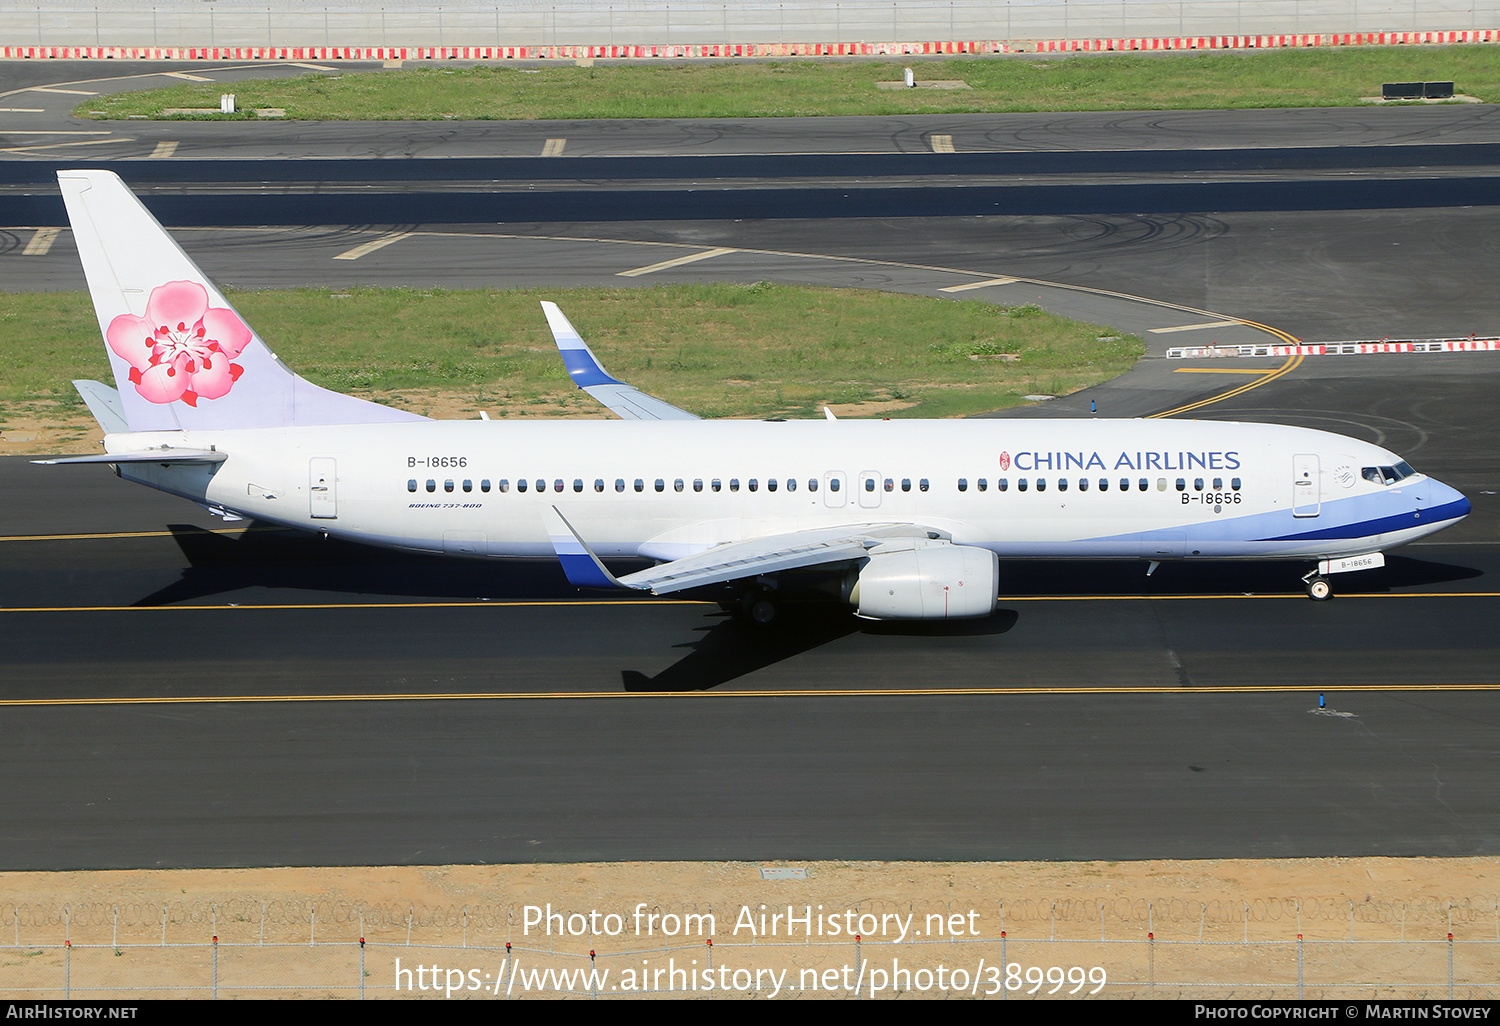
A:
1428	948
191	23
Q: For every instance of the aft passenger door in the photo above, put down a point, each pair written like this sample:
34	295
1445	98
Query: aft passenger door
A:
1307	494
322	484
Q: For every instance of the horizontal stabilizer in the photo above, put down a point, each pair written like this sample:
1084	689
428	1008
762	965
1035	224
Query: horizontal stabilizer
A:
625	401
165	454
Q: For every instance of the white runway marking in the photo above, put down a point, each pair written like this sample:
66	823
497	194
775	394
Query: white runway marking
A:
163	150
691	258
942	143
979	284
69	92
23	110
186	77
1193	327
372	246
41	242
553	147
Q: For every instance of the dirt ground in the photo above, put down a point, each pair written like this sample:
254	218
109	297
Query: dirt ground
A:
1371	928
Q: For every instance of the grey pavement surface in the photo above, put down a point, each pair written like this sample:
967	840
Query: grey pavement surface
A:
724	768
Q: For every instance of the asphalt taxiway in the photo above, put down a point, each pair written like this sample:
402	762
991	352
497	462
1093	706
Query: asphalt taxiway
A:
180	692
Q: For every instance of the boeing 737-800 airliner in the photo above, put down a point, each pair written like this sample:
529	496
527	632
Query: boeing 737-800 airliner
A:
904	519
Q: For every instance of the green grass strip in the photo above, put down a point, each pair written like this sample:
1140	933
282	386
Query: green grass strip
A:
1263	78
723	350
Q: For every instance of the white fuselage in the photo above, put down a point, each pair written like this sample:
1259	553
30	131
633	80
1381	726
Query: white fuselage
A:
667	489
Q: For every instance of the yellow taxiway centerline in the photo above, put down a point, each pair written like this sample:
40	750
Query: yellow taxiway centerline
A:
775	693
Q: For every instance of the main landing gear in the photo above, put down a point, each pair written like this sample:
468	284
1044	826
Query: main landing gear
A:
761	607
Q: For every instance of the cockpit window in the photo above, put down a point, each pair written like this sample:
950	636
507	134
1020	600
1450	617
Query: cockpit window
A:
1387	475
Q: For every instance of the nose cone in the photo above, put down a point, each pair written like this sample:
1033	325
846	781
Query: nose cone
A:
1447	504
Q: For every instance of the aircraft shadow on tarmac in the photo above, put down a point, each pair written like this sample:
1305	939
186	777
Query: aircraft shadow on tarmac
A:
732	647
274	558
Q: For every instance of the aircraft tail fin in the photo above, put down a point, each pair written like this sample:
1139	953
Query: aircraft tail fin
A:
182	358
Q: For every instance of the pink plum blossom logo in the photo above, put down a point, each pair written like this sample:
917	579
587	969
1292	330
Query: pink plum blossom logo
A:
182	348
1004	461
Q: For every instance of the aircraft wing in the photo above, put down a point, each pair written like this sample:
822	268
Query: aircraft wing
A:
626	401
732	561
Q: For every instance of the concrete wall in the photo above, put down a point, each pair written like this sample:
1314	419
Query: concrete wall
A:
595	22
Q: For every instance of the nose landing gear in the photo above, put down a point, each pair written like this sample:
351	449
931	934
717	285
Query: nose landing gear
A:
1318	587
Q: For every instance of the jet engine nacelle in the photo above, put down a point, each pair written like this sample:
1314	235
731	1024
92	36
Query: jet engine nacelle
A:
926	580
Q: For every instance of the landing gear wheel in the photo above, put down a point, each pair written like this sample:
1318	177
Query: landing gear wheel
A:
1318	589
761	608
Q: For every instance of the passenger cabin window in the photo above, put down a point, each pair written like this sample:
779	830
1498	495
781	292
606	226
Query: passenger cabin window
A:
1041	484
754	485
1002	484
468	485
578	484
1197	484
770	484
906	484
833	484
557	485
791	484
1062	484
1161	484
812	484
890	484
541	485
677	485
520	484
619	484
640	485
503	485
963	484
697	484
1021	484
1234	483
484	485
598	484
1083	484
734	484
661	484
431	485
714	484
922	484
1182	484
448	485
411	485
983	484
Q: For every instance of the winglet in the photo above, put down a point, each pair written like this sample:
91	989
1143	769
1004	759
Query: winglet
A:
583	568
583	366
588	373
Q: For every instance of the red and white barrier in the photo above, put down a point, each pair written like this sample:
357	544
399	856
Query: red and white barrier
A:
1366	348
711	50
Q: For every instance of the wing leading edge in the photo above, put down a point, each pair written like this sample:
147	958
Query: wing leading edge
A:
732	561
625	401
